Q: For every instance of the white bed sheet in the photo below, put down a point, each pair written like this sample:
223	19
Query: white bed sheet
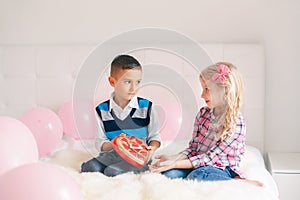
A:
71	153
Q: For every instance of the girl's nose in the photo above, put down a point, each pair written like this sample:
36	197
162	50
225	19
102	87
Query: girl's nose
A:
202	95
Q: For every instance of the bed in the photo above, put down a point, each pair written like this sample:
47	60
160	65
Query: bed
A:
71	153
44	75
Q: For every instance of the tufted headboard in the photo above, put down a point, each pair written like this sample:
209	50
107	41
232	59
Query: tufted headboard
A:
44	75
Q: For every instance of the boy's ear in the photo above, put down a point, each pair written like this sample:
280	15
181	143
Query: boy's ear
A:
112	81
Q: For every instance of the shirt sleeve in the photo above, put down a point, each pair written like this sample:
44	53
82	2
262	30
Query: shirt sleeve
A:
223	153
153	127
100	137
192	148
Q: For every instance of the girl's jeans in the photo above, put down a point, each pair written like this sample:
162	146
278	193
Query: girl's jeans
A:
206	173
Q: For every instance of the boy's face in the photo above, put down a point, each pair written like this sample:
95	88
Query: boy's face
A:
126	83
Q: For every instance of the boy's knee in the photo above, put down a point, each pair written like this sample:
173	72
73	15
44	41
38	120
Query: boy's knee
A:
113	171
92	166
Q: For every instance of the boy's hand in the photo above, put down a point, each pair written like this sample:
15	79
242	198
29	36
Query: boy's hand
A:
151	150
107	146
153	145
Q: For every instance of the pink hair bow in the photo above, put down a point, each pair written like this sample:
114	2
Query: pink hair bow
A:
221	77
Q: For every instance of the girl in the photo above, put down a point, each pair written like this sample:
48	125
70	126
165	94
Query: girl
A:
218	142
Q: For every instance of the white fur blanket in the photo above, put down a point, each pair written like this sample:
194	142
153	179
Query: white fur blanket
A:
154	186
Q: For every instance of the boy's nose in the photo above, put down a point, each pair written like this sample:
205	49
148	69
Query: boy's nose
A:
132	87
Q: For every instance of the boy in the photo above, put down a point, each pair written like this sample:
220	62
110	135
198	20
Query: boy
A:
125	113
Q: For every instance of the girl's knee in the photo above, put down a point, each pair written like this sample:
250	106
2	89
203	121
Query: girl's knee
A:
197	174
208	174
175	173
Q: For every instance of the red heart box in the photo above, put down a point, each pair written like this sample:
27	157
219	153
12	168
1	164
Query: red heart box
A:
132	149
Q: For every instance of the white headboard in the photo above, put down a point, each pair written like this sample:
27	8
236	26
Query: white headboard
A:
44	75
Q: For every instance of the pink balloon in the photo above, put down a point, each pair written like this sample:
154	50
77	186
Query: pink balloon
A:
17	144
38	181
80	124
46	128
169	115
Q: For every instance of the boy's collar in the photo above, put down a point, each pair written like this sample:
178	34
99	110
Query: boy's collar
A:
133	103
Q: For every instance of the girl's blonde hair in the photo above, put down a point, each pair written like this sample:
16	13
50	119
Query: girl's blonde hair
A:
229	89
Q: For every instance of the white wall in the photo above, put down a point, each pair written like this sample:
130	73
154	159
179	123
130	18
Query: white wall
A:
275	24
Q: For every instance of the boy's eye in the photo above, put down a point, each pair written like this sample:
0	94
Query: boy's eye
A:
127	82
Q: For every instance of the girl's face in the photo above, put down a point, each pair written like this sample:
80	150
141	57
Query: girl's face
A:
126	84
211	100
206	94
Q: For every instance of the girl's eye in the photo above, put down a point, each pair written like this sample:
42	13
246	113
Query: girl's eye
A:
127	82
138	82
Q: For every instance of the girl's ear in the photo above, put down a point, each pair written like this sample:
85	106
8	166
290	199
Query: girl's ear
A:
225	98
112	81
226	90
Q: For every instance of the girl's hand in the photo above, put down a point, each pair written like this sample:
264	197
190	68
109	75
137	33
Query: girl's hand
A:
170	162
164	163
162	158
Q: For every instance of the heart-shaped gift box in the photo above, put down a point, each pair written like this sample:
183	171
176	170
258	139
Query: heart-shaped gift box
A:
132	149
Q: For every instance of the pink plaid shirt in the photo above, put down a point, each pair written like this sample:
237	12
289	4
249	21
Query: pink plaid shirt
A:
204	150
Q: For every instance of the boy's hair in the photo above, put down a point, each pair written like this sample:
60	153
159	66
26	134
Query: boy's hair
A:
230	91
122	62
